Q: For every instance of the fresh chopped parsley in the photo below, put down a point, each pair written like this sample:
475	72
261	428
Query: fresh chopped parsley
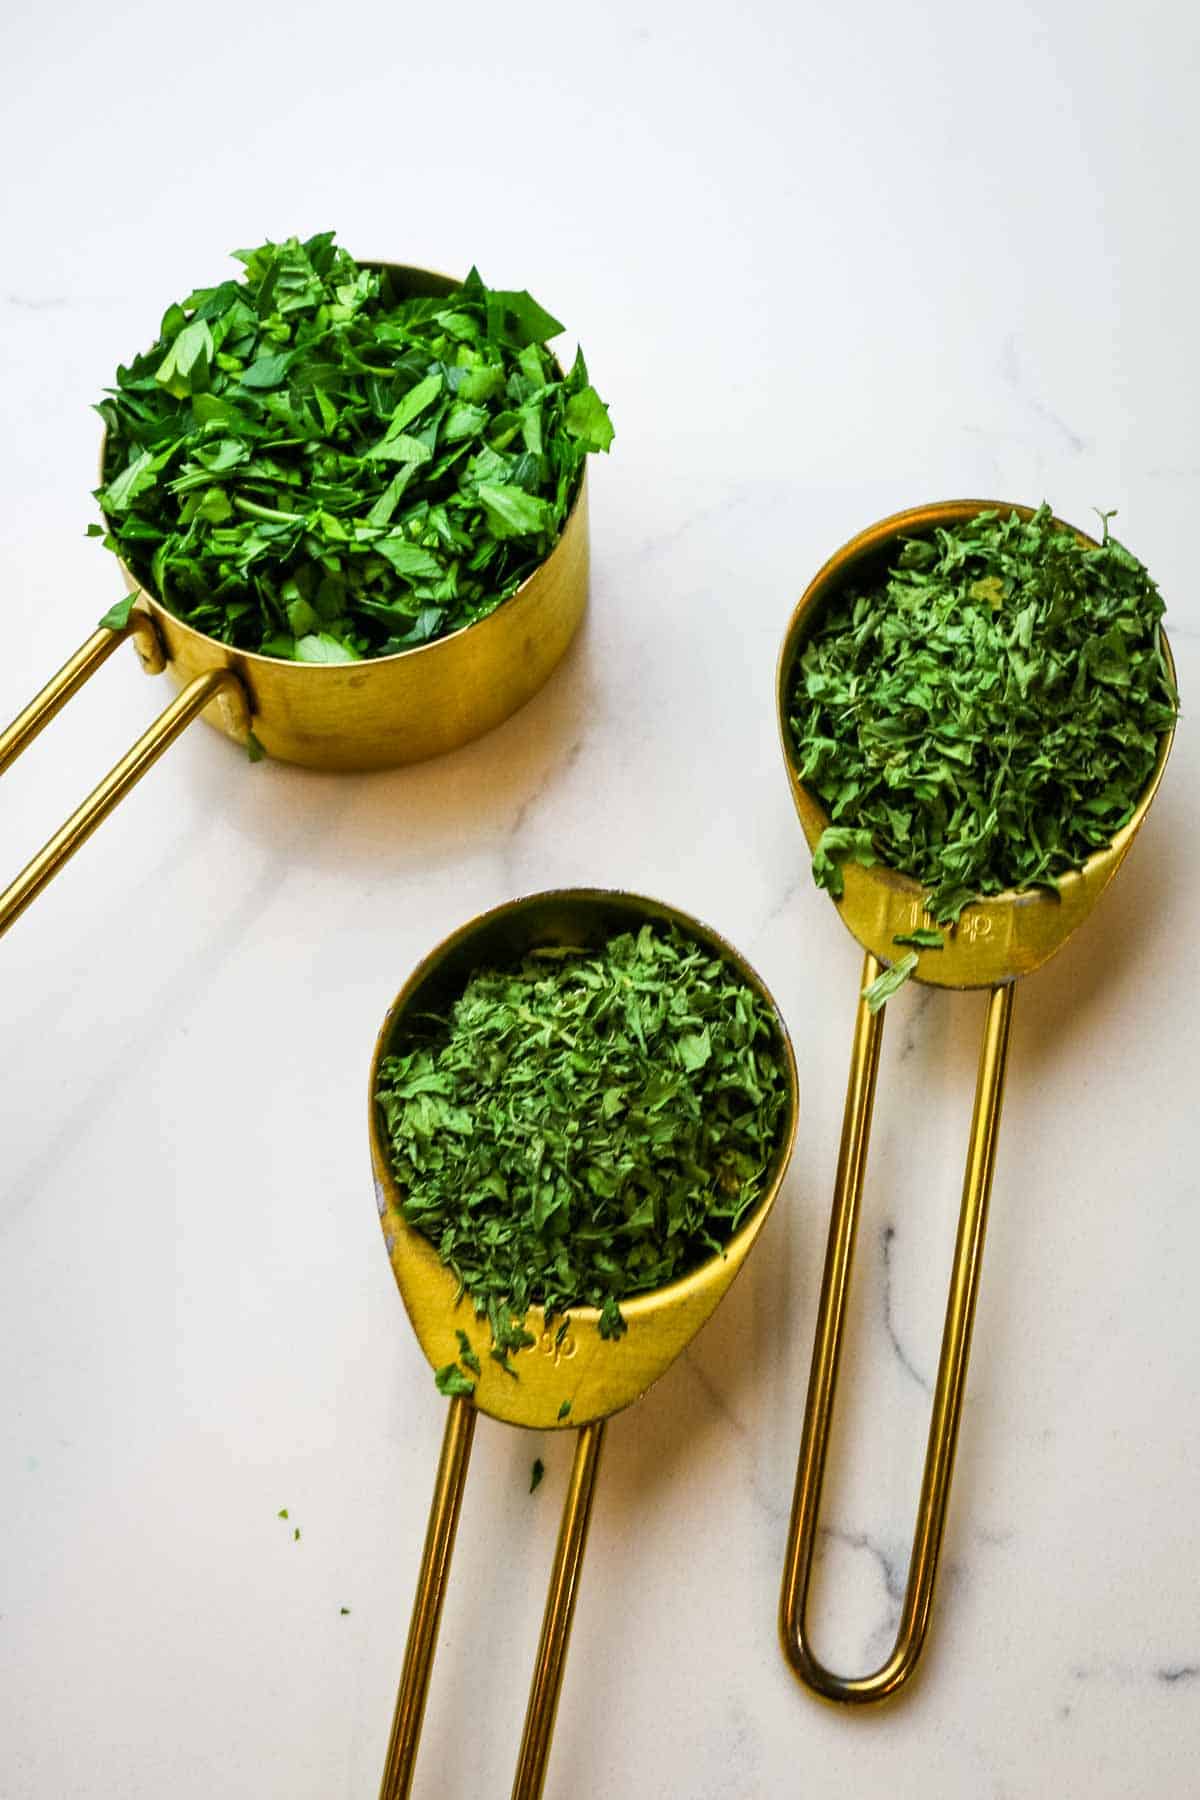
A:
117	616
309	464
986	713
584	1126
921	939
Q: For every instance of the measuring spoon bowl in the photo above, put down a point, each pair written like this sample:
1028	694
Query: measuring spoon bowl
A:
1002	936
996	940
598	1375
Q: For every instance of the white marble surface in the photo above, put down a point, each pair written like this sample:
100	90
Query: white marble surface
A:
825	262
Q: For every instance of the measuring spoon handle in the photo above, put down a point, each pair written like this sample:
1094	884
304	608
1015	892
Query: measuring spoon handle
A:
952	1364
560	1610
427	1607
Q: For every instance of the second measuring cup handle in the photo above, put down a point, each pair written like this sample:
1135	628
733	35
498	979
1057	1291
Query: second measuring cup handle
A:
952	1364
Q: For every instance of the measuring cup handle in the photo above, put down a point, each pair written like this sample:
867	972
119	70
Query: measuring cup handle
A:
952	1364
427	1606
560	1610
79	668
188	704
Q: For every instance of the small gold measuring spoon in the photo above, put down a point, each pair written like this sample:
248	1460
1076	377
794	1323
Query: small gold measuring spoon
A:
598	1376
373	714
997	941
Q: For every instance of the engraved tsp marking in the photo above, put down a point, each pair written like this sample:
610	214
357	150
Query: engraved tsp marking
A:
549	1345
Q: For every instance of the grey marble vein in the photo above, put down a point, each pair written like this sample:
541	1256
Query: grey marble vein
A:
1012	374
1124	1673
919	1005
887	1238
780	907
894	1576
553	773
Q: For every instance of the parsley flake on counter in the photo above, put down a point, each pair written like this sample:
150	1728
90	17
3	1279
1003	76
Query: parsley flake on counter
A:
536	1473
311	465
584	1126
986	713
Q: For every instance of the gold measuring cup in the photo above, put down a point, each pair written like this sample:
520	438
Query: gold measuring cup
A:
338	716
997	941
599	1376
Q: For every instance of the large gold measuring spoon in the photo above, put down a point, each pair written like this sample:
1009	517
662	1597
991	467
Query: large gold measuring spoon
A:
997	941
339	716
598	1376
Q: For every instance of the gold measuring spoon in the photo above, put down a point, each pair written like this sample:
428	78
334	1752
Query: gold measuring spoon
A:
373	714
599	1376
997	940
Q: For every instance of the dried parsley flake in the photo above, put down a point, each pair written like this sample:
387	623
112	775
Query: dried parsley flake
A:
986	714
889	982
584	1126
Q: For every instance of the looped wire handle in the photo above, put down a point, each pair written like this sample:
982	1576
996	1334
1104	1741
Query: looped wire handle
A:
952	1364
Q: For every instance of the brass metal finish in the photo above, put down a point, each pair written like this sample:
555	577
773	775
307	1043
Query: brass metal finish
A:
427	1607
125	774
952	1365
560	1610
419	703
598	1376
70	678
996	941
373	714
998	938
